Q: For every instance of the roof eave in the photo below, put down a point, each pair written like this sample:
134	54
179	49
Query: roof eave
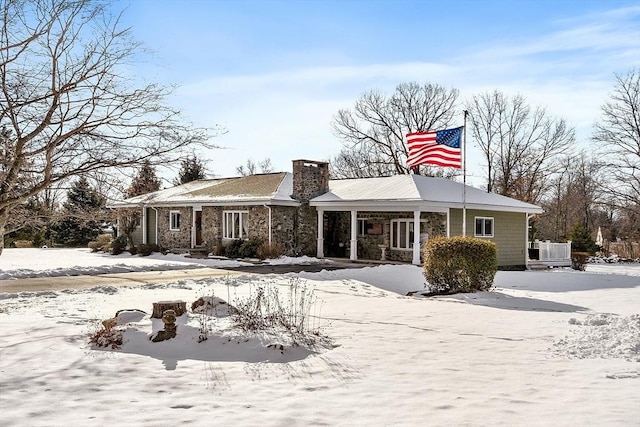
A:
201	202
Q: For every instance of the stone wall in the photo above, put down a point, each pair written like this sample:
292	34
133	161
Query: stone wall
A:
283	222
175	239
283	225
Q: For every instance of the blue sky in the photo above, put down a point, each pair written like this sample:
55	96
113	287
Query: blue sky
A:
274	73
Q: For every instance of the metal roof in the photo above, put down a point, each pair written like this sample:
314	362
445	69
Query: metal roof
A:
413	191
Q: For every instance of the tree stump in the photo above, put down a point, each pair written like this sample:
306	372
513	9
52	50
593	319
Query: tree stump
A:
179	307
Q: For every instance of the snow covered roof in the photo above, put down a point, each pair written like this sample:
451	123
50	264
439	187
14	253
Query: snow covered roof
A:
272	188
400	192
413	192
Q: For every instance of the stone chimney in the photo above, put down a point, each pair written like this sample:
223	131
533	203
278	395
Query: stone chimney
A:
310	179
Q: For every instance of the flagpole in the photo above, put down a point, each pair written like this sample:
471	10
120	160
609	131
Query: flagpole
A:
464	176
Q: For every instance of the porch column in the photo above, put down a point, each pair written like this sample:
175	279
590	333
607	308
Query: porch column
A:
144	225
353	255
448	222
320	239
416	237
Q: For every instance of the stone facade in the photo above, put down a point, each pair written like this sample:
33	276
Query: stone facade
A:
310	179
283	225
180	238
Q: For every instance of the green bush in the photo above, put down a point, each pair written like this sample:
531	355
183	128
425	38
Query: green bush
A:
459	264
232	250
243	248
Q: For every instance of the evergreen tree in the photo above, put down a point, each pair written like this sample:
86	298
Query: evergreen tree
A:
146	181
80	223
191	169
581	240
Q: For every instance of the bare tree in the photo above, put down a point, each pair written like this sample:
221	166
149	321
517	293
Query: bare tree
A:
251	167
373	133
522	146
356	163
573	198
68	104
618	133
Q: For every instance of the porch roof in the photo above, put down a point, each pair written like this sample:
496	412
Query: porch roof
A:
408	192
270	189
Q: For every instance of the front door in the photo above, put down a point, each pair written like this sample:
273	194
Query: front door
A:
198	227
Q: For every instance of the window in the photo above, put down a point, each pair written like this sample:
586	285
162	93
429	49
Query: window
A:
484	227
362	227
174	220
234	224
402	233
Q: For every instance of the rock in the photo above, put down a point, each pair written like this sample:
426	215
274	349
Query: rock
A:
179	307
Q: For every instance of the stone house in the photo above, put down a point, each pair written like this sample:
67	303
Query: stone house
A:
307	213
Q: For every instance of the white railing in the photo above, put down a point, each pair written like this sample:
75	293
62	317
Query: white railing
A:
552	251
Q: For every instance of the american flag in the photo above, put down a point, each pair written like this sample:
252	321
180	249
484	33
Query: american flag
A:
441	148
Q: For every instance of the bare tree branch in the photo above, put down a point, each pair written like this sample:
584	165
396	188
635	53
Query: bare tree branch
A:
618	134
373	133
522	147
68	106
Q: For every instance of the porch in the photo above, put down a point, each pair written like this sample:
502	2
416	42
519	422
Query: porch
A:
548	254
377	236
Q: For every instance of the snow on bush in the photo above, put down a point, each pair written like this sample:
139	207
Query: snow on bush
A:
603	336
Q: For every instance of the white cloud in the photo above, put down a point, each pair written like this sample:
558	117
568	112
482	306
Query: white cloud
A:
287	114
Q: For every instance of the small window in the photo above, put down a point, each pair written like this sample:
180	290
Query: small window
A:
174	221
484	227
235	224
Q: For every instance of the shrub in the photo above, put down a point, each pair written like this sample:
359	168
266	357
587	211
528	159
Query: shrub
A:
579	260
23	243
243	248
107	338
102	243
266	309
459	264
249	248
266	251
118	245
147	249
232	250
133	250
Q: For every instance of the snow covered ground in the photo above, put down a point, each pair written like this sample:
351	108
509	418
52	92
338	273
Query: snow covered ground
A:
545	347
